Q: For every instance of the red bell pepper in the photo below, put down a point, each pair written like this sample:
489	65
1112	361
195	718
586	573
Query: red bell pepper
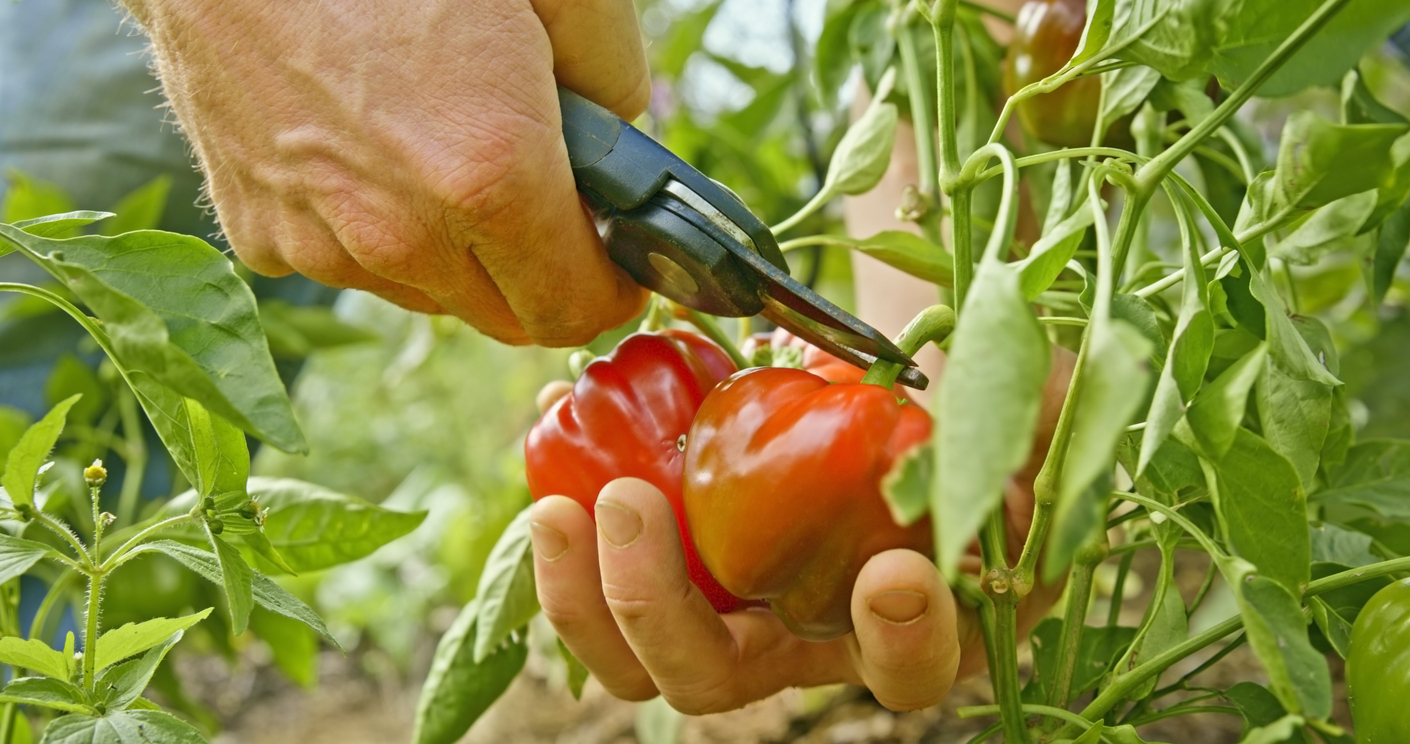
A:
783	490
628	416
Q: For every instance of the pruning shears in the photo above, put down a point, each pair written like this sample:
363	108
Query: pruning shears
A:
681	234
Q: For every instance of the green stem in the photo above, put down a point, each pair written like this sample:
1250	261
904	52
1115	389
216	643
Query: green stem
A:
921	111
712	330
1118	589
62	530
1126	228
120	556
1068	153
1356	575
1185	710
933	325
136	457
943	26
976	711
1129	682
1074	619
960	237
1155	171
999	620
90	635
7	723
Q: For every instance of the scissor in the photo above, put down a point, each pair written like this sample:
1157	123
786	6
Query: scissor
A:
679	233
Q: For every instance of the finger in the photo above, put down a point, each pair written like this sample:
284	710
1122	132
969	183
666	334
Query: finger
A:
906	630
551	393
597	52
570	592
400	242
312	249
702	662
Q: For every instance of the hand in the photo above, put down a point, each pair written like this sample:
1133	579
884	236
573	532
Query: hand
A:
410	149
618	595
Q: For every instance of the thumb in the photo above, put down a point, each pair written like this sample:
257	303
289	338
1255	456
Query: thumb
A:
906	630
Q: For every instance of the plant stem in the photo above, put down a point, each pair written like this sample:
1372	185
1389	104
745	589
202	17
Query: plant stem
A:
1074	619
1356	575
136	457
933	324
90	636
975	711
998	616
960	238
712	330
7	723
1118	589
1155	171
1068	153
63	531
921	110
121	555
1128	682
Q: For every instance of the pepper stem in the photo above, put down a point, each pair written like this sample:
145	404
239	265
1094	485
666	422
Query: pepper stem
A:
933	324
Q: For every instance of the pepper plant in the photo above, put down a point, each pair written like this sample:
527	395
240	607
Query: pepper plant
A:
1207	412
181	340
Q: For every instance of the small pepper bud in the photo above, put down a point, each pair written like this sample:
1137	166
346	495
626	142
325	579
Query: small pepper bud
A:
208	504
95	475
217	526
108	518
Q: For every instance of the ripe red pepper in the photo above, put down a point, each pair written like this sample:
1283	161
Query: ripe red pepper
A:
628	416
1045	36
783	490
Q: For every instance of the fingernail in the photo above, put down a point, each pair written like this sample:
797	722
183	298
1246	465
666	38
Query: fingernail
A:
549	543
620	525
900	607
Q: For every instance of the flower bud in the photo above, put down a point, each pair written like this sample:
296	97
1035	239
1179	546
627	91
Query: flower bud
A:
95	474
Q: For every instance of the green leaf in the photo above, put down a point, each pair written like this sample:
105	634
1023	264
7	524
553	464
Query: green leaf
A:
1179	44
832	55
1261	506
658	723
687	31
1334	227
294	646
989	400
864	152
122	727
577	671
295	331
1312	155
1280	730
1096	33
266	593
47	692
1375	476
58	225
314	528
1218	408
905	251
1335	628
17	555
135	638
458	690
23	463
222	457
237	578
1180	379
1252	29
1294	416
506	595
142	209
1051	253
1113	385
1277	632
1285	343
33	654
1391	243
1333	544
1125	90
13	423
173	308
29	198
906	486
124	683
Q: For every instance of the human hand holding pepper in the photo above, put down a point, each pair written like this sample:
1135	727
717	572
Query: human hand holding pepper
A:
619	595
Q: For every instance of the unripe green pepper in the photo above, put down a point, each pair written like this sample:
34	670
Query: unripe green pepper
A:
1378	667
